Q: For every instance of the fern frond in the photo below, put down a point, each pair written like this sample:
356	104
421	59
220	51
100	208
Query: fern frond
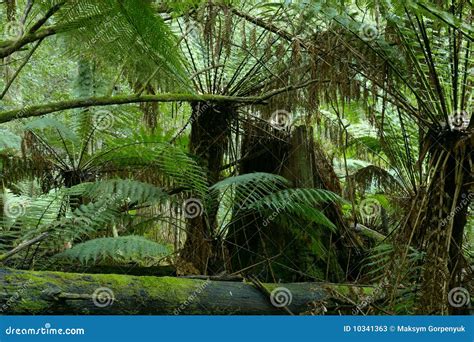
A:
249	188
123	248
301	195
373	175
122	33
170	163
302	203
118	190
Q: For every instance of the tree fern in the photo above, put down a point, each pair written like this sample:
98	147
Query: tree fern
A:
111	200
245	189
117	249
268	194
175	167
117	190
302	203
124	33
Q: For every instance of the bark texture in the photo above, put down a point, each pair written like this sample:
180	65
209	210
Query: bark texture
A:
44	293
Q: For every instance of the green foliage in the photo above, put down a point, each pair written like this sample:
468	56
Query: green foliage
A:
389	74
117	249
124	189
9	141
248	188
302	203
374	267
123	33
268	195
176	167
110	202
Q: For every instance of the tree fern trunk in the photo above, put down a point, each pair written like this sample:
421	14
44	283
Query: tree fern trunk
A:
446	217
263	150
436	225
210	133
268	248
308	167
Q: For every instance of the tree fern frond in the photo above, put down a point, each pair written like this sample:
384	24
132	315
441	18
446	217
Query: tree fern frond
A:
176	167
373	175
117	190
248	188
123	248
256	178
122	32
310	197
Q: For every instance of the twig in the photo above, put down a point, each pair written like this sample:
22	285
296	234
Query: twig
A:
22	246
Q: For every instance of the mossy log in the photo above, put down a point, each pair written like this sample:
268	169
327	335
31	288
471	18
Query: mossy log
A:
127	269
44	293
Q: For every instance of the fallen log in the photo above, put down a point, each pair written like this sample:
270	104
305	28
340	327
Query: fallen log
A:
44	293
127	269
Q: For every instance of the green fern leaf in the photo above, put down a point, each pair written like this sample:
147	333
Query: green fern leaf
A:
124	248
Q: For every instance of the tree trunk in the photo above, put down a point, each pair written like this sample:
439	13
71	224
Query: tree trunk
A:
308	167
441	232
47	293
210	134
437	222
263	150
272	250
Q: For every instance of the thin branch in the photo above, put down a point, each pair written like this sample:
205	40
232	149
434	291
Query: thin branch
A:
48	15
9	47
263	24
10	82
38	110
22	246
